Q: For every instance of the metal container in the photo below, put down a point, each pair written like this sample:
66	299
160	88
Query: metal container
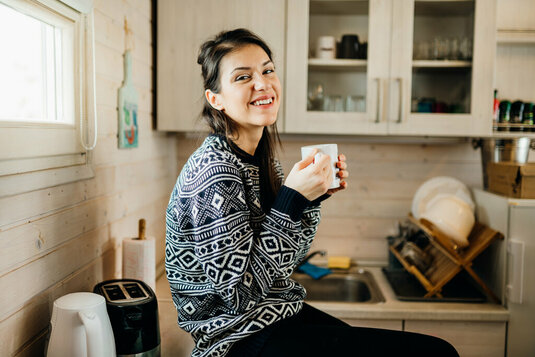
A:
502	150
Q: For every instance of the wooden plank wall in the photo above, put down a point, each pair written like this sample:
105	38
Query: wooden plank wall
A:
383	180
67	238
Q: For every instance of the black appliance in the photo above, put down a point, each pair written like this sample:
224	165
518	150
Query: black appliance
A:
349	46
133	311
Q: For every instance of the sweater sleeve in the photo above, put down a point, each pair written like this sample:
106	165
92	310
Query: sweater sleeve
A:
310	220
240	263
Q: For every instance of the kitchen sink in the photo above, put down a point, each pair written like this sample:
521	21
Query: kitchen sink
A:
357	285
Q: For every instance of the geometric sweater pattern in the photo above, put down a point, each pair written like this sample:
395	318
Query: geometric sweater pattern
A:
227	262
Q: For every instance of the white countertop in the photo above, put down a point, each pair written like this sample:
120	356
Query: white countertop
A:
393	308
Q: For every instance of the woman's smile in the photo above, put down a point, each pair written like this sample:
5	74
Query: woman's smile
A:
263	102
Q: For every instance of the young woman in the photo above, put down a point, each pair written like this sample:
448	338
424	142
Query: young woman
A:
236	230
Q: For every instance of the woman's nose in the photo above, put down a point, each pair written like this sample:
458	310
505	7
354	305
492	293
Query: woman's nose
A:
261	83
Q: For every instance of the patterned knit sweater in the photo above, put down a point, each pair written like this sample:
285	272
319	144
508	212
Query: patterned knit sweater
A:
228	263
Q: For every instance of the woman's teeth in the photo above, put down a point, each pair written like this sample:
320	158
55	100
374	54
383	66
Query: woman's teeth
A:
264	101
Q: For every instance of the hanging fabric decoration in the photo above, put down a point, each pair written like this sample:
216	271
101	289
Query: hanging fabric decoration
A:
128	102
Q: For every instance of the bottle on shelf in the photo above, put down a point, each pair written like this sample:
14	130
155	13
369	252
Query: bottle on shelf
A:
517	113
527	118
495	110
504	116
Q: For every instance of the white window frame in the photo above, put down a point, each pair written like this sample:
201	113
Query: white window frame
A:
39	155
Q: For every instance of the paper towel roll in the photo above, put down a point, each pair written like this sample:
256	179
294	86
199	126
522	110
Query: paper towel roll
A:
139	260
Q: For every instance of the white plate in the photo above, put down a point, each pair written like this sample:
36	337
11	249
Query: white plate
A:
439	185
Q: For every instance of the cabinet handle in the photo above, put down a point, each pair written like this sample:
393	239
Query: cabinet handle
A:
400	109
378	113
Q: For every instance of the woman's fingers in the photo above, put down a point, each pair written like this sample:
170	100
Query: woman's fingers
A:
343	174
307	160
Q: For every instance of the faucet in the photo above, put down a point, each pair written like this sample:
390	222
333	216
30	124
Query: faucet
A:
307	258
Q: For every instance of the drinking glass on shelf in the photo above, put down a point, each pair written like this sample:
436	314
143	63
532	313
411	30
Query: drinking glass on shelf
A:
422	51
337	103
315	96
355	103
454	49
328	105
440	48
465	48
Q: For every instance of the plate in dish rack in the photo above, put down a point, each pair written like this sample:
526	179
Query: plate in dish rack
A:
440	185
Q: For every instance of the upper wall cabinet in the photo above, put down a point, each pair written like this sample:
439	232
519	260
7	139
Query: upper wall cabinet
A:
418	67
516	15
182	27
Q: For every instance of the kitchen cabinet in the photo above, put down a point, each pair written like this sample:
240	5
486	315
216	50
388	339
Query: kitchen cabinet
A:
515	60
515	15
182	26
373	323
470	338
400	78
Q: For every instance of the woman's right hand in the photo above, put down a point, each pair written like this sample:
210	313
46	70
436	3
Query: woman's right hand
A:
309	178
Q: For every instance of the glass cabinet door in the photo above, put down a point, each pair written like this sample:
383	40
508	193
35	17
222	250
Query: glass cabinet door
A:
441	70
337	66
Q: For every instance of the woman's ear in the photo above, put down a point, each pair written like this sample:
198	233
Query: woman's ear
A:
213	99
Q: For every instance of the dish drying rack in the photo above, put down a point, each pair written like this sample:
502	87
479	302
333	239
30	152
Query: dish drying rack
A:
448	258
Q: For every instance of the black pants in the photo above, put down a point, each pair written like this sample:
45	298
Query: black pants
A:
314	333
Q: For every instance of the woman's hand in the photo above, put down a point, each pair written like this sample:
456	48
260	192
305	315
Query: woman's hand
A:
342	173
311	181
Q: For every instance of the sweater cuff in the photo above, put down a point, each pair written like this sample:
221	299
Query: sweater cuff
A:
318	200
291	202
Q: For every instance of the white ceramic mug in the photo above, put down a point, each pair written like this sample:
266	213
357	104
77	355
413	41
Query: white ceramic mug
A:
325	149
326	47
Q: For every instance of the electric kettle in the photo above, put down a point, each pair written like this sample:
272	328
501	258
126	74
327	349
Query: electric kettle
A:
80	327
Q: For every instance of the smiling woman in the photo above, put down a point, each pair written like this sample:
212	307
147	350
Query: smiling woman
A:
236	230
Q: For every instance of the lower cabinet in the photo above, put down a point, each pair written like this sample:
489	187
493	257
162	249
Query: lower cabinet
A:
386	324
470	338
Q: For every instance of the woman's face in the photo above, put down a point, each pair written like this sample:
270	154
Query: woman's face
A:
250	88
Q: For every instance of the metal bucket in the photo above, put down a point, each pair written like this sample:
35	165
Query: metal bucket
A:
500	150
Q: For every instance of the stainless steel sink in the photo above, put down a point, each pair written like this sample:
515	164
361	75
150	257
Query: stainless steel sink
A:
357	285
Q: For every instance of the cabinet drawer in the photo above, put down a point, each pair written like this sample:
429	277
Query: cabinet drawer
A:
386	324
470	338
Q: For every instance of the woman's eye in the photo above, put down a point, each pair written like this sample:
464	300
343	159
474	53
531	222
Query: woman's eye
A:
267	71
242	77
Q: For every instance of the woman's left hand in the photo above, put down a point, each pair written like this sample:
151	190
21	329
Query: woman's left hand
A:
342	174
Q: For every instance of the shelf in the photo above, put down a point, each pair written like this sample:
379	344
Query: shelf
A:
443	8
510	126
337	64
512	134
333	7
441	64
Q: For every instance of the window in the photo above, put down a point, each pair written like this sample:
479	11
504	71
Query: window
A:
46	90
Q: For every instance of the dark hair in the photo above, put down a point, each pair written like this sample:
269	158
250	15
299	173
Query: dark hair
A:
210	56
